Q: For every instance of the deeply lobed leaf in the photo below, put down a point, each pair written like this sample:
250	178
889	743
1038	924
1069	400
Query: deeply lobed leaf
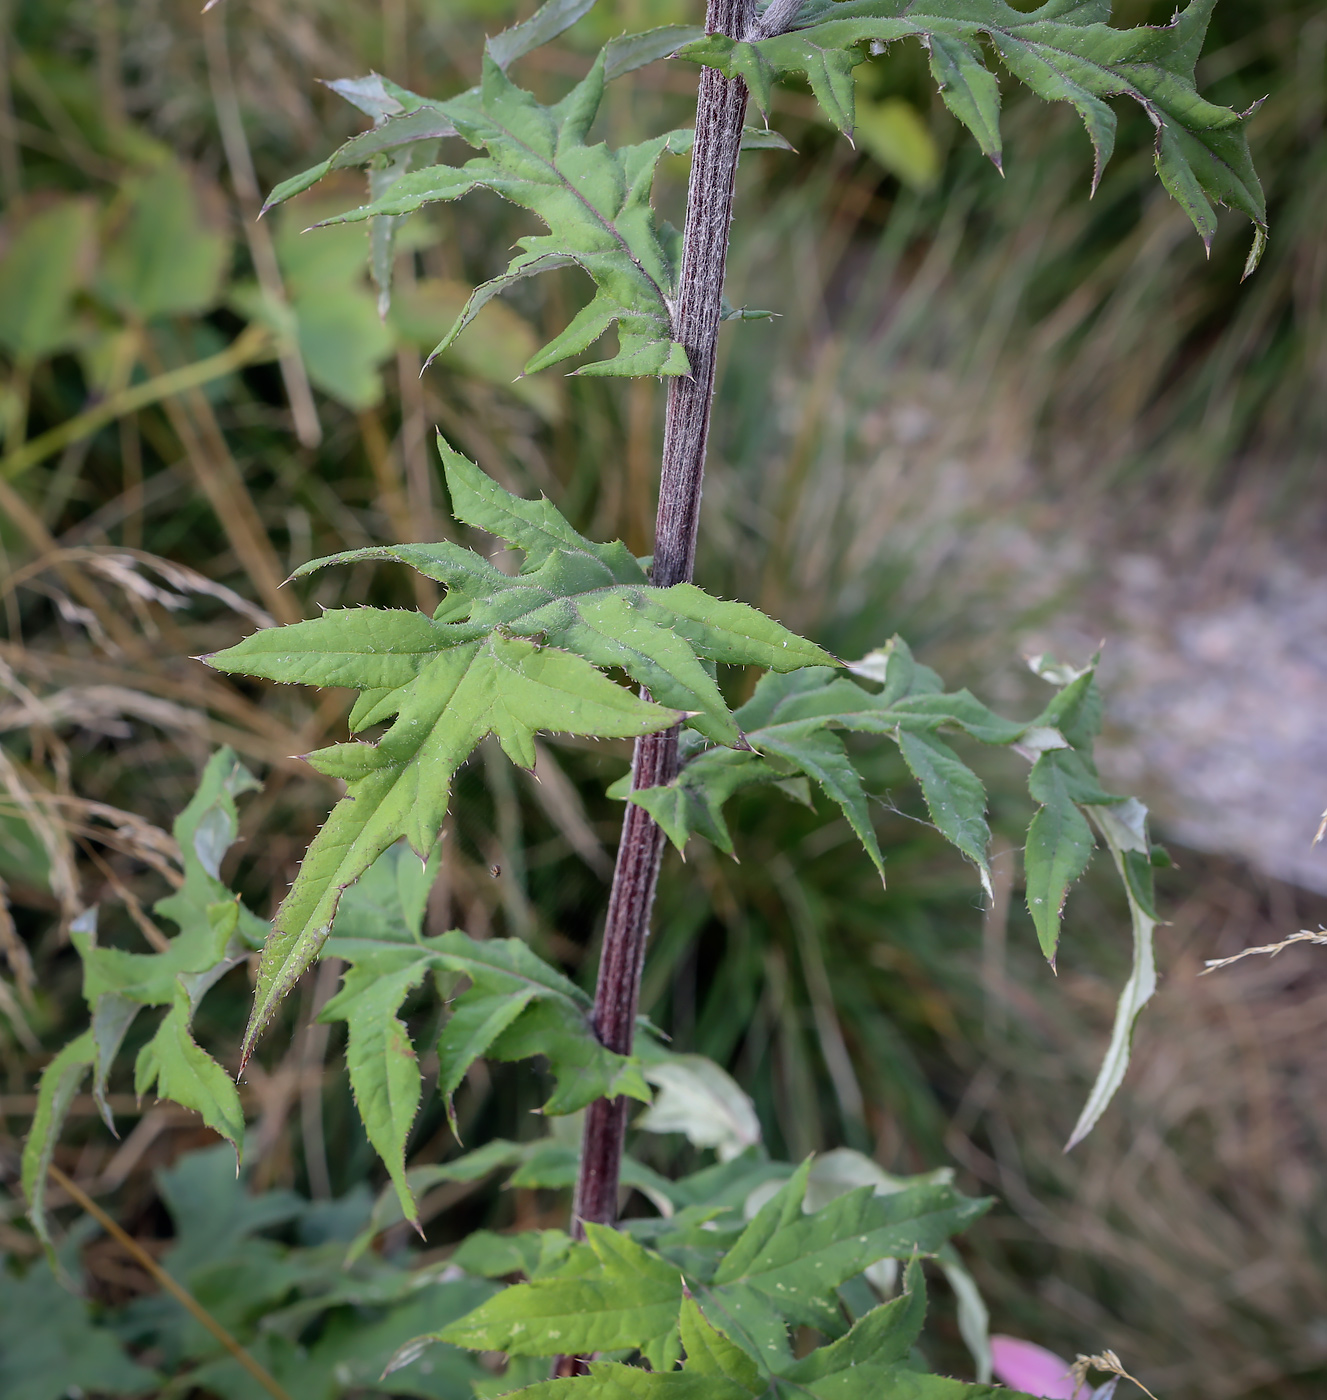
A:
790	726
790	723
1065	50
514	1007
504	655
730	1299
1064	782
594	200
214	933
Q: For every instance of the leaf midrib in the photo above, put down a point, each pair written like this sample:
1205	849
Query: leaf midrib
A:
526	981
606	222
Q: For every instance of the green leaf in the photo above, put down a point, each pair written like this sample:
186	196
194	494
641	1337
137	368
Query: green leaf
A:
782	1270
954	796
591	599
785	1266
1123	827
515	1007
475	1023
1059	846
50	1348
215	933
687	807
1059	842
537	528
367	648
446	685
112	1015
969	89
628	52
151	979
553	1021
1076	709
609	1380
583	1069
595	201
204	831
547	22
532	1253
44	266
1065	50
384	1073
882	1337
502	685
297	184
894	132
611	1294
709	1353
165	259
386	905
183	1071
1064	781
788	724
809	748
60	1082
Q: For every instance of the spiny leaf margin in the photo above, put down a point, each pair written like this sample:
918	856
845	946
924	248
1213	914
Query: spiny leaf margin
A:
506	655
1066	50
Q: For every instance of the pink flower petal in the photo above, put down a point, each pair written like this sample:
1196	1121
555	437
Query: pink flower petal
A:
1031	1368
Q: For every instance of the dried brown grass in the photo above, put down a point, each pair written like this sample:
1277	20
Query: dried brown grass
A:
1184	1232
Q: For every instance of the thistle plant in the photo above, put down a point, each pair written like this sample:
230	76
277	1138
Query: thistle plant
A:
745	1251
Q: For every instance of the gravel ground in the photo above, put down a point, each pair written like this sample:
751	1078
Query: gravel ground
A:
1216	698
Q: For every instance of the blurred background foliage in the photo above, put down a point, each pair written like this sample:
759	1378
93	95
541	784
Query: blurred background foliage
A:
977	392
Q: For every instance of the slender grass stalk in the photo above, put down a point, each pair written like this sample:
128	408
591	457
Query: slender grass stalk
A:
720	109
252	346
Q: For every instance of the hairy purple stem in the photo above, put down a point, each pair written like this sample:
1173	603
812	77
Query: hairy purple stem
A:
720	109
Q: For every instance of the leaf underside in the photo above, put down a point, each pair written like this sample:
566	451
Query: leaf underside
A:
1064	782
